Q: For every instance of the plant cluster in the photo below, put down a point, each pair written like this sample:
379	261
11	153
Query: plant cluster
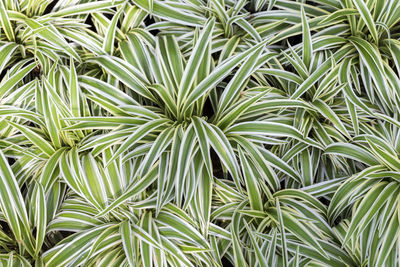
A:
199	133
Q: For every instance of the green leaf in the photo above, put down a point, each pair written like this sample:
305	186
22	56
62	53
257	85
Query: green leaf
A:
194	62
40	217
352	151
128	242
6	23
13	206
170	13
307	41
367	18
251	181
15	79
36	139
217	75
52	36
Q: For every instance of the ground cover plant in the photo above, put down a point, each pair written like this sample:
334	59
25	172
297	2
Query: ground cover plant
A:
199	133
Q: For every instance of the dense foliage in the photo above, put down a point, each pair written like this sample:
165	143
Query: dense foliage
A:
199	133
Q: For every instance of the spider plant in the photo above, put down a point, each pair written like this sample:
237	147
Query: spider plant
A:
199	133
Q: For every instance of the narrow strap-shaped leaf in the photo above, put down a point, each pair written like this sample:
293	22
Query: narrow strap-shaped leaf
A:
171	62
260	257
385	156
49	169
16	78
75	90
6	51
280	164
307	42
366	16
36	139
328	113
49	33
162	10
132	190
336	16
217	75
352	151
372	202
297	228
286	75
6	23
264	128
108	43
162	181
372	60
77	244
300	194
235	233
283	234
349	189
204	144
51	117
128	242
251	181
105	90
138	134
231	91
194	62
316	75
260	162
389	240
40	217
184	162
232	115
224	150
167	98
83	8
126	73
146	249
13	205
161	143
